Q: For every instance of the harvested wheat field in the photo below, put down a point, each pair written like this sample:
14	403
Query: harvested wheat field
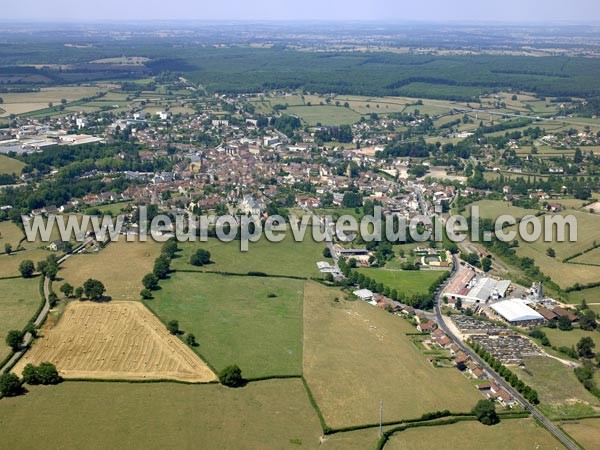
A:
117	340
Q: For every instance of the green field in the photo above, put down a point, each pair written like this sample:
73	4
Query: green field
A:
585	432
560	392
409	281
492	209
324	115
560	338
9	234
19	300
9	264
591	295
592	258
272	414
10	165
588	226
521	434
274	258
236	322
356	355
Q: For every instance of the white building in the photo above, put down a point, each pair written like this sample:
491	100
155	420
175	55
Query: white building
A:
517	312
364	294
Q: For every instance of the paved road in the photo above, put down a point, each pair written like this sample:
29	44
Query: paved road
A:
41	316
562	437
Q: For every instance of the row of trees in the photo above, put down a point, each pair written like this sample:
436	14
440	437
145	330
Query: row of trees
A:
529	393
420	301
45	373
162	267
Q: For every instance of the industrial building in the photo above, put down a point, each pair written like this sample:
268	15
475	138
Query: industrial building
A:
516	312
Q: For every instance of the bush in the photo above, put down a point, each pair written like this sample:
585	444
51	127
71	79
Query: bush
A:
146	294
173	327
231	376
26	268
191	340
162	267
485	411
14	339
200	257
150	281
45	373
10	385
93	289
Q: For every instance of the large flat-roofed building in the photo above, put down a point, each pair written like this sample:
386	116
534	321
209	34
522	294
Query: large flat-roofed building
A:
479	290
517	313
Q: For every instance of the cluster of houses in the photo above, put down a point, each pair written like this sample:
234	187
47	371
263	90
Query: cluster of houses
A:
464	363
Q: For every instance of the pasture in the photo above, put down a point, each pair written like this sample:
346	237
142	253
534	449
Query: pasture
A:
409	281
356	354
24	102
522	434
274	258
10	165
9	264
558	388
19	300
273	414
120	266
324	114
116	340
560	338
586	432
254	322
591	295
565	275
592	258
492	209
10	234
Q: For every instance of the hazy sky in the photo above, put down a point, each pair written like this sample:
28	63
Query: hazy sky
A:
420	10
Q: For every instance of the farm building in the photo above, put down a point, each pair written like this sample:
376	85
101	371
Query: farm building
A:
480	290
517	313
325	267
364	294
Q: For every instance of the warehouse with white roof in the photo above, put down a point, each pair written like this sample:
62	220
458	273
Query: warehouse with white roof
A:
517	313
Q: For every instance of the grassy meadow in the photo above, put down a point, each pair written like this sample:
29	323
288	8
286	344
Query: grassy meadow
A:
120	266
19	300
560	338
9	234
356	354
273	414
9	264
522	434
586	432
287	257
254	322
325	114
561	394
492	209
10	165
409	281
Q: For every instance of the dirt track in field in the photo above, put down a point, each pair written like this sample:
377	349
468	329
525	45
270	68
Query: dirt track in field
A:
116	340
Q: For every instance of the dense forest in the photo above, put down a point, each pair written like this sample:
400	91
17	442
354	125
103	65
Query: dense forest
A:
243	69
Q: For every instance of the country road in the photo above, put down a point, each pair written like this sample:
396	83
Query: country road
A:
28	338
558	433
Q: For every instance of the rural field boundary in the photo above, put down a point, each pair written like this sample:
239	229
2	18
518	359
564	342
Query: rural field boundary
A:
437	422
239	274
200	355
10	361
